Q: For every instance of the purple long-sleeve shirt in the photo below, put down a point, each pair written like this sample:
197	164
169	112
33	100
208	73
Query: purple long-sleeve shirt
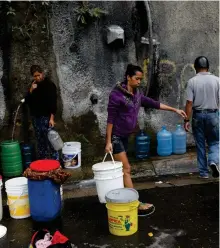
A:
123	108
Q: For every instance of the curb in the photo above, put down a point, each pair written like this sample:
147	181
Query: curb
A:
155	166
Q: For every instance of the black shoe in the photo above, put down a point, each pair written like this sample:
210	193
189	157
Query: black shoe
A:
215	170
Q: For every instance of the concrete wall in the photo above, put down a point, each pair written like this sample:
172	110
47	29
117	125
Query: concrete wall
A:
185	30
82	64
2	97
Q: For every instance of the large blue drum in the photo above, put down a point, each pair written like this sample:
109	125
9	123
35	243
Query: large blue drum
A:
44	199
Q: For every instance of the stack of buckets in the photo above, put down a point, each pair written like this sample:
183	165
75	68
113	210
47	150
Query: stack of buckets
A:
108	175
17	194
122	203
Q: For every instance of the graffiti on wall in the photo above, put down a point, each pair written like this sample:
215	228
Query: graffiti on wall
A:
168	68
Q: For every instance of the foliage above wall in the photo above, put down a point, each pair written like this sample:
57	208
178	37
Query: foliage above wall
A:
86	14
26	21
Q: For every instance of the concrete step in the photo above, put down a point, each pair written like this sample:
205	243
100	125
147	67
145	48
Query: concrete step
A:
153	166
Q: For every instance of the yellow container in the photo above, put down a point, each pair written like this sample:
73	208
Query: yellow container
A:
122	205
19	206
18	200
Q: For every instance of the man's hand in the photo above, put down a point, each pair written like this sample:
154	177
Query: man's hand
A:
108	148
187	126
181	113
51	123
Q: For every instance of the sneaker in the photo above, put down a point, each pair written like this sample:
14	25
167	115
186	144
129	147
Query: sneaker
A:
204	177
215	170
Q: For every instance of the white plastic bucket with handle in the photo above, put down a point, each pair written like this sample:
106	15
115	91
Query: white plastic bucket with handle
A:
17	194
71	155
108	176
1	207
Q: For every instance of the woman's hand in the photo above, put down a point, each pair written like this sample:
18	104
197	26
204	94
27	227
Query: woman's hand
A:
33	86
51	123
181	113
178	111
108	148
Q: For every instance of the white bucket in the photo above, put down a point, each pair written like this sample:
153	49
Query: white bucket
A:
18	201
1	207
108	176
71	155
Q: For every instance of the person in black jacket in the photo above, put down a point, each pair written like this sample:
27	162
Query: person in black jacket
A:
42	102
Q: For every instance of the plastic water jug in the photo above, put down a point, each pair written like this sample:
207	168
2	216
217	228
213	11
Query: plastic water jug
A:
55	139
179	140
164	142
142	145
27	154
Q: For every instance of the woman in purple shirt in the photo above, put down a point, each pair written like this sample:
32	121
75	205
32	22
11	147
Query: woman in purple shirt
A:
125	101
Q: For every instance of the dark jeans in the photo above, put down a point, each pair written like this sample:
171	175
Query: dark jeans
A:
44	148
205	128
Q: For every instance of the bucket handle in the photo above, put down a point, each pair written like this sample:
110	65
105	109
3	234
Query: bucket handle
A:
15	201
111	157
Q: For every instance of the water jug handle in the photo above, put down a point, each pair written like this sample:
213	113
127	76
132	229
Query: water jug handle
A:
111	157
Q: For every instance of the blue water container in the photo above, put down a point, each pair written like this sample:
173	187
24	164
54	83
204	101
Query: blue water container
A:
44	199
164	142
142	143
179	140
27	155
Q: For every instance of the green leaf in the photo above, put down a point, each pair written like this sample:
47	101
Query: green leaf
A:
83	20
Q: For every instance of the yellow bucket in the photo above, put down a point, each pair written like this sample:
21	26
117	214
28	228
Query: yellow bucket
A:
19	206
18	200
122	205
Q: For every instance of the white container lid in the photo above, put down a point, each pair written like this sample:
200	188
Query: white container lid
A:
18	181
107	165
3	231
123	195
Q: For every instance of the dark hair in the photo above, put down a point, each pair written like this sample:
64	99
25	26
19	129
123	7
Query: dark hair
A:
35	68
131	71
201	62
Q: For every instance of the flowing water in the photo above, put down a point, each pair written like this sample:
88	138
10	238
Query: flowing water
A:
14	125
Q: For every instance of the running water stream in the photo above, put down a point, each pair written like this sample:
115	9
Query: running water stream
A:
14	125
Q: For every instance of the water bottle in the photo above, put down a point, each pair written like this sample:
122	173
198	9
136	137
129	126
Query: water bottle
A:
164	142
142	142
179	140
55	139
27	155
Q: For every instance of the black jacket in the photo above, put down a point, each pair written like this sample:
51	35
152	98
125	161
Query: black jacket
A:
43	100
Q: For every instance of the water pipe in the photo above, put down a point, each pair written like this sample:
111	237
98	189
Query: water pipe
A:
151	51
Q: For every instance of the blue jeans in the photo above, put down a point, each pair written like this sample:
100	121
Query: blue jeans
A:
205	128
44	148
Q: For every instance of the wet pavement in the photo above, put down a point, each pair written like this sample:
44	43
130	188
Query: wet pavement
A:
185	217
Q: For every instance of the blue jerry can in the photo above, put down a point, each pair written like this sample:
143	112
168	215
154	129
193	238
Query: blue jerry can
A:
142	145
179	140
164	142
